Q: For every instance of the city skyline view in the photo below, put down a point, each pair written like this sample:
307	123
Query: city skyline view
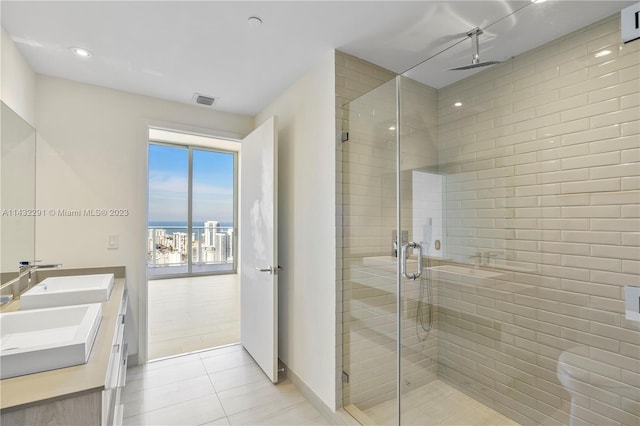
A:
209	244
211	239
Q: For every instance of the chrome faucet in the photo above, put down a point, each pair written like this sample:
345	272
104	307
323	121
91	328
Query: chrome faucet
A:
476	264
26	267
490	255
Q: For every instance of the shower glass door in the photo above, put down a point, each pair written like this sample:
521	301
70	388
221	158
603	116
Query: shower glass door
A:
421	219
370	257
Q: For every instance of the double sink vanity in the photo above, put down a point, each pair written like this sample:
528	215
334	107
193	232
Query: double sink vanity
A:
63	359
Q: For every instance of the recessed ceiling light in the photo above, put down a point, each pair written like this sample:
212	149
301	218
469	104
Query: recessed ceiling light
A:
79	51
457	104
602	53
254	21
392	127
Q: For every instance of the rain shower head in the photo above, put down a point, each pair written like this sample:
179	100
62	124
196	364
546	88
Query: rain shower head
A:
476	65
475	58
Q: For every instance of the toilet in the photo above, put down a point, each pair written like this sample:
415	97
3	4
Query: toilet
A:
574	373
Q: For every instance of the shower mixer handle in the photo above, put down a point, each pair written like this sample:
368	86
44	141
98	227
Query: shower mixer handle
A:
403	264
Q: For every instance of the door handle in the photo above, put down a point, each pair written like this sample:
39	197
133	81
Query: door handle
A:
403	264
270	269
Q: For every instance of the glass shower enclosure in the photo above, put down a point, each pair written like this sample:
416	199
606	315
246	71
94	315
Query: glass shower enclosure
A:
393	205
489	239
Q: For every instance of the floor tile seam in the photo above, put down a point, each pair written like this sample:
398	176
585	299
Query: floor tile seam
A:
175	403
225	369
172	368
270	401
157	409
224	410
241	362
232	387
139	375
278	412
215	420
147	390
151	388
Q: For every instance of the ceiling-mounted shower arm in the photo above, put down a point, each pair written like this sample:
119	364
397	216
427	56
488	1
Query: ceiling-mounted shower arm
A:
475	54
474	33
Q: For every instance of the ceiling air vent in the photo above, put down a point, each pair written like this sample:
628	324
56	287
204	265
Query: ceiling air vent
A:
203	100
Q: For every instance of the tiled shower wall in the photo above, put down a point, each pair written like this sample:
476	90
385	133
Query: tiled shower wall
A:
542	166
354	78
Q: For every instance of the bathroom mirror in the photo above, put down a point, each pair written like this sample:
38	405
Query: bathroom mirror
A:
17	192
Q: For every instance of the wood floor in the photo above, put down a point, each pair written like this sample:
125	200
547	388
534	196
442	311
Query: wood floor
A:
437	403
192	314
222	386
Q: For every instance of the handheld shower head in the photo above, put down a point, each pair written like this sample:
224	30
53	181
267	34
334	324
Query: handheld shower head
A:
475	57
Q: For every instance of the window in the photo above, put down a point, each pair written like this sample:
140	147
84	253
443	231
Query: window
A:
192	210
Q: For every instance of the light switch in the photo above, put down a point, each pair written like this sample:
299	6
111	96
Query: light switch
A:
112	242
632	303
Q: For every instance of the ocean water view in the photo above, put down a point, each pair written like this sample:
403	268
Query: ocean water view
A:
181	226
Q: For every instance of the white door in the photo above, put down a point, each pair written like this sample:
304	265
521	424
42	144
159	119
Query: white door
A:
259	246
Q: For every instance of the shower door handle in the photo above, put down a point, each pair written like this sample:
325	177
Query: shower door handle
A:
403	265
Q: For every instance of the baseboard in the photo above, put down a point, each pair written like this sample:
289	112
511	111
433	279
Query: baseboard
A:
338	417
359	416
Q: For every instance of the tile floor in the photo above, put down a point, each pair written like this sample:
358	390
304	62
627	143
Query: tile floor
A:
192	314
438	403
220	386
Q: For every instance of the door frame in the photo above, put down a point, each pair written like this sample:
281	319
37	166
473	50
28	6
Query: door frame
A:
140	277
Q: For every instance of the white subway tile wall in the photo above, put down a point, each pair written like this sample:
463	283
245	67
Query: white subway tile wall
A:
560	217
542	171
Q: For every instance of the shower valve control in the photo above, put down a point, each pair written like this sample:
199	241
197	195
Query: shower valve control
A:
395	244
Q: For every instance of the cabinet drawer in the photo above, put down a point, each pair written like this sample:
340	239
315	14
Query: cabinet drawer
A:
118	415
122	379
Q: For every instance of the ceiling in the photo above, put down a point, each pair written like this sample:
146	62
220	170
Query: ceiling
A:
173	49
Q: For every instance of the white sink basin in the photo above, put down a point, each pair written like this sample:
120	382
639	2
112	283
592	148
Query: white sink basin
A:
71	290
46	339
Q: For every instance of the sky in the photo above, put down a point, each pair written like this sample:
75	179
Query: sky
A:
168	185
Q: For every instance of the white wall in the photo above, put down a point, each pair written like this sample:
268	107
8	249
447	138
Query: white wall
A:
92	153
306	185
18	81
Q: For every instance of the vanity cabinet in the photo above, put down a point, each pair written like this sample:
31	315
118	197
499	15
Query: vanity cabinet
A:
87	394
112	408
